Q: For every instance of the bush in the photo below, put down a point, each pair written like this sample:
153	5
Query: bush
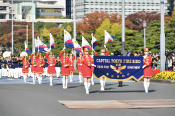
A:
166	75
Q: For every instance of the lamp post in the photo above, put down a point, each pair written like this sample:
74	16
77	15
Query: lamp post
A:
162	37
123	28
12	26
33	47
144	26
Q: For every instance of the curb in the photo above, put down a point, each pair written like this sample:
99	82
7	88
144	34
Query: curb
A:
162	81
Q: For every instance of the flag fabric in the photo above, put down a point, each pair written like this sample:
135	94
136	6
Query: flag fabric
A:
27	49
52	43
94	42
67	39
108	37
77	47
40	46
85	44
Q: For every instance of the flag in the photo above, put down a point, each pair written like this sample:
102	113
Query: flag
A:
67	39
108	37
36	44
27	49
52	43
94	42
77	47
85	43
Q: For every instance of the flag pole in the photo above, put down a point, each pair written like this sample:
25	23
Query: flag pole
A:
92	42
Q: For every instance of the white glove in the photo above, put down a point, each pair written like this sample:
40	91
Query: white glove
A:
144	66
25	66
34	65
80	64
50	64
105	46
70	65
64	48
93	65
72	52
39	65
65	65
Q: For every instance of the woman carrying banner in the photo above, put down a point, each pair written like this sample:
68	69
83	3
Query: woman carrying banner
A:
79	66
25	68
65	70
147	61
51	66
33	66
103	52
87	71
39	67
72	69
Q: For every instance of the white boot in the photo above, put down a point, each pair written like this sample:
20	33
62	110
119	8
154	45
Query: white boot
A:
39	79
34	78
63	81
89	84
86	87
148	83
92	80
102	85
145	86
80	79
104	82
70	78
66	83
25	78
51	81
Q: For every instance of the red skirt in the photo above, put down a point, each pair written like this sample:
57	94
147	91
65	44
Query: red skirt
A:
79	68
65	71
51	70
86	71
72	69
39	69
147	72
25	70
33	69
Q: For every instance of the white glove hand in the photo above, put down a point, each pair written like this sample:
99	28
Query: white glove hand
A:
93	65
144	66
105	46
39	65
25	66
65	65
72	52
34	65
50	64
80	64
64	48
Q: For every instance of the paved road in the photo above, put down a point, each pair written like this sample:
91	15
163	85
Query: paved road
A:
19	99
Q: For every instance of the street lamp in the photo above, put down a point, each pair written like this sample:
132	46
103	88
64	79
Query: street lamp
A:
144	26
12	26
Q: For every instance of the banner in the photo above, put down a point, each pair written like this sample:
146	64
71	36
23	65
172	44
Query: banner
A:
118	68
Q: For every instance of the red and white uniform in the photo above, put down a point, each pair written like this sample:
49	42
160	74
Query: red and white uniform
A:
65	71
86	69
72	69
147	72
25	68
51	64
40	64
79	64
34	63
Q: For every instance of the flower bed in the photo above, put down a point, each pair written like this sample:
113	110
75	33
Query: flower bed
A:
165	75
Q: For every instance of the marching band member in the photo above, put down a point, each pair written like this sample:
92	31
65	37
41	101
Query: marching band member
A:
45	66
87	71
72	69
103	52
79	66
9	64
12	67
33	66
4	67
15	63
39	67
147	72
51	66
57	67
25	68
65	70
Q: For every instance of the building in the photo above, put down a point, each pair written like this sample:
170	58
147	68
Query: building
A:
84	7
44	10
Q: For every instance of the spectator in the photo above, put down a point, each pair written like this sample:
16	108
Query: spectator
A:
170	62
158	62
